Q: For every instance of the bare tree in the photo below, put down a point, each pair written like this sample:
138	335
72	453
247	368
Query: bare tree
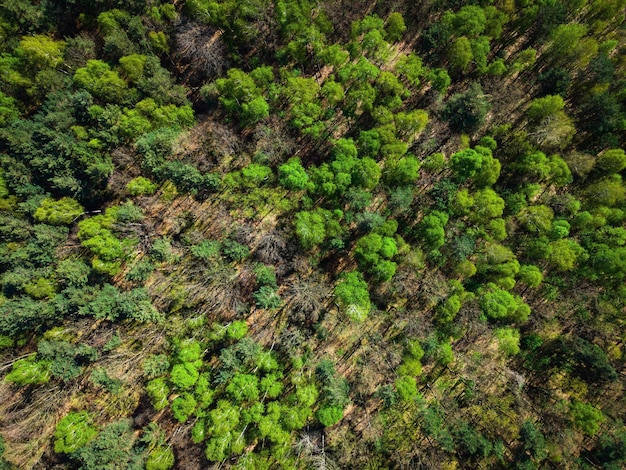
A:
307	299
202	50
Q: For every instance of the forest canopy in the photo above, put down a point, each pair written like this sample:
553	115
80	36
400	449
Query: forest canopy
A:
294	234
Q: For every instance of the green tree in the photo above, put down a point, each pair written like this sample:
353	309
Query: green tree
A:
460	55
292	175
243	387
74	432
160	458
102	82
466	163
329	415
183	406
530	275
466	111
611	161
431	229
508	340
586	417
497	303
353	296
395	27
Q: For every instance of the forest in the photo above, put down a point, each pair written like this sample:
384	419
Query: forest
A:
254	234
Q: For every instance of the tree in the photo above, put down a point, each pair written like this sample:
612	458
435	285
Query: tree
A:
466	111
402	172
184	375
564	254
292	175
410	68
466	163
29	371
243	387
586	417
407	388
460	54
353	296
470	20
41	51
102	82
329	415
534	440
183	406
608	192
74	432
395	27
508	340
536	219
541	108
309	228
498	304
439	79
160	458
530	275
611	161
431	229
366	173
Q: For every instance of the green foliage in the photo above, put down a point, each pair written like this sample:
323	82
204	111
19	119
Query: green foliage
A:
407	388
141	186
395	27
611	161
466	111
234	251
29	371
237	330
74	432
240	96
329	415
183	406
498	304
61	212
466	163
292	175
586	417
267	297
243	387
184	375
431	229
102	82
508	340
460	54
353	296
160	458
530	275
156	365
158	391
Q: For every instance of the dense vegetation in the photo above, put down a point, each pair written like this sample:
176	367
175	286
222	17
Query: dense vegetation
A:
299	234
